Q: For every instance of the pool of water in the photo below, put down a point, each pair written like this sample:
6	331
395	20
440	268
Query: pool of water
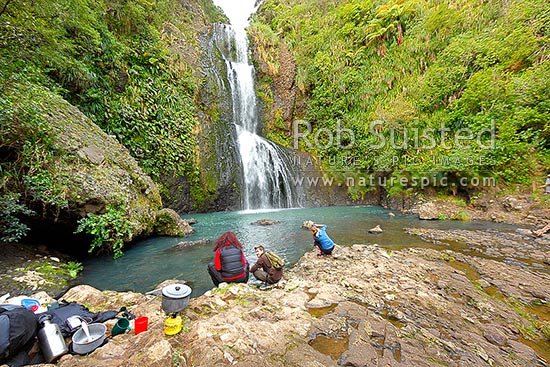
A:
149	262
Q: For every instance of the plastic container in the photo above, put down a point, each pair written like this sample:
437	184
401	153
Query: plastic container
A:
30	304
86	343
122	326
140	324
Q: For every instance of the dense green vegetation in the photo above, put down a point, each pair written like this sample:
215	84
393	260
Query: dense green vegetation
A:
112	60
26	153
397	72
127	65
11	228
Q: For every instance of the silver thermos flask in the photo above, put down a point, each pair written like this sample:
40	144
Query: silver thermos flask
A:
52	344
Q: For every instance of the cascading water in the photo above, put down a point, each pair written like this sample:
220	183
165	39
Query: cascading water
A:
266	171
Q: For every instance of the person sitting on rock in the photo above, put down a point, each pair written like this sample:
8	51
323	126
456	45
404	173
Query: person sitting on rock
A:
321	239
263	269
229	264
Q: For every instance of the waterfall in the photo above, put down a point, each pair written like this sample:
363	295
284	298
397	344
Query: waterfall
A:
267	174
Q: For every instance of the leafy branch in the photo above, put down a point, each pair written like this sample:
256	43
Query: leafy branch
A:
5	7
109	230
10	225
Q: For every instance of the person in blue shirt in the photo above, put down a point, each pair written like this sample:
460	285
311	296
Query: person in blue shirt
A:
321	239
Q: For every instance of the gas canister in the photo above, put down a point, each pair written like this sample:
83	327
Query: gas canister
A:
173	325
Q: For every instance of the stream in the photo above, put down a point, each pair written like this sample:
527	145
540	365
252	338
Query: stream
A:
149	262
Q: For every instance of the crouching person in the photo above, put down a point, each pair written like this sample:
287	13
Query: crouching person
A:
269	267
229	264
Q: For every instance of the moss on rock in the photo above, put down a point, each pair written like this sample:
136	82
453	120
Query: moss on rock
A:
169	223
68	166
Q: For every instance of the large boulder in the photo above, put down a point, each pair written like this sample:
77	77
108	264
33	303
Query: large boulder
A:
428	211
76	167
98	171
169	223
511	203
190	244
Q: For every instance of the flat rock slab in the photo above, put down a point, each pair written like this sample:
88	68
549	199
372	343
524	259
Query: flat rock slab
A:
517	245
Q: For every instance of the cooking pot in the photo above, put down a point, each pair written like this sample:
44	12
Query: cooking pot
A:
175	297
82	344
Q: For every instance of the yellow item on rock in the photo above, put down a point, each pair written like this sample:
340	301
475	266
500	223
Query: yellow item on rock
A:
173	325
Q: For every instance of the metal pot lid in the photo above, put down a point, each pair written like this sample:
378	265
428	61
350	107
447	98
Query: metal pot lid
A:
176	291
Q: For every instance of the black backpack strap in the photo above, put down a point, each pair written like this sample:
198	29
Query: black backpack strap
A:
104	316
4	335
126	313
8	307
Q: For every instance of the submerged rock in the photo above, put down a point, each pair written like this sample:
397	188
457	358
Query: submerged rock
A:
376	229
169	223
266	222
186	244
525	232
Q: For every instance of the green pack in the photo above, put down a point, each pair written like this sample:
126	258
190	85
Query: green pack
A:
276	261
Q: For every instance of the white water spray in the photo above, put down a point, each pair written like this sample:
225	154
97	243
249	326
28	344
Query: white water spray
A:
266	173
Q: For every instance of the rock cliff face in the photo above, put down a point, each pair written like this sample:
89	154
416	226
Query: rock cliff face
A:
281	87
216	154
364	306
283	103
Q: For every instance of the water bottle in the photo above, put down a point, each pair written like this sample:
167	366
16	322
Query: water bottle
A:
51	341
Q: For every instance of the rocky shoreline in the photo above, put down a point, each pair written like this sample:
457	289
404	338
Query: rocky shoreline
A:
26	269
521	247
364	306
529	210
20	259
469	298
